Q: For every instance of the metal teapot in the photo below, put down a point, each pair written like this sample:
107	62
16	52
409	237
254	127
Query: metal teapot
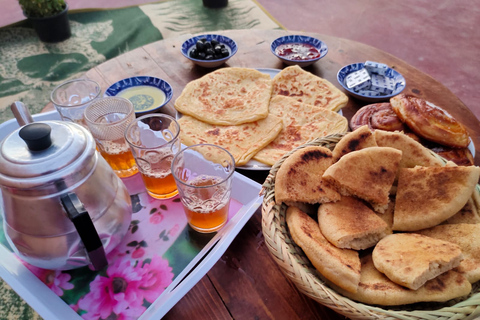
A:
64	207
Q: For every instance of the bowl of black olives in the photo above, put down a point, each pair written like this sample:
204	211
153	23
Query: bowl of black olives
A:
209	50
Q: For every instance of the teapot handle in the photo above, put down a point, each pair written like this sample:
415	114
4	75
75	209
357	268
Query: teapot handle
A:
83	223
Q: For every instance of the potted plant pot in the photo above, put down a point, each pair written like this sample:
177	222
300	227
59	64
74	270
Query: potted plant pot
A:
49	18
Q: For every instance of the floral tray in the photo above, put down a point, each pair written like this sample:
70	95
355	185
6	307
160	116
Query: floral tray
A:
160	259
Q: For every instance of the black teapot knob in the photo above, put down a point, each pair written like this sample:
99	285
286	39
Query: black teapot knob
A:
36	136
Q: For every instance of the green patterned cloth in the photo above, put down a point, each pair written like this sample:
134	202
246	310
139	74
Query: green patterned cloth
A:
30	69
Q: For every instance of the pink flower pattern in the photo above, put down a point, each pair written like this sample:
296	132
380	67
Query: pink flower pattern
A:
54	279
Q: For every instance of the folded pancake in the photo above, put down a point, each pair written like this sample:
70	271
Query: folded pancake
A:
413	153
301	123
242	141
299	178
340	266
427	196
376	289
359	139
467	237
377	116
411	259
429	121
468	214
367	174
308	88
351	224
227	96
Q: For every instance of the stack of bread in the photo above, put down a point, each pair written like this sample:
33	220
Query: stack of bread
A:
256	117
382	219
422	120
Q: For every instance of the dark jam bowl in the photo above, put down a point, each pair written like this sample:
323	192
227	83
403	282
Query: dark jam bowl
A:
190	44
303	43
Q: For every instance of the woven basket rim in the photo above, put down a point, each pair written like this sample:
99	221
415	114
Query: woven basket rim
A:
296	266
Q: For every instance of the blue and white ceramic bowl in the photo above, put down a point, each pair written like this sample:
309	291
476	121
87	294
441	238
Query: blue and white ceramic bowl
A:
316	43
147	94
398	79
190	44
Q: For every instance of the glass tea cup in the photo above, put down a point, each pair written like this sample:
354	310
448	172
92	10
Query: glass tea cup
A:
72	97
154	141
107	119
204	175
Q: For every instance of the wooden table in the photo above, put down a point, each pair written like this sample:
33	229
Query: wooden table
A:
246	283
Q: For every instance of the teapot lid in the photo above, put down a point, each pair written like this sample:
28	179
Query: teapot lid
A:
40	150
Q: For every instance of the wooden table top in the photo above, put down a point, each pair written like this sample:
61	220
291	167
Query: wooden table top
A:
246	283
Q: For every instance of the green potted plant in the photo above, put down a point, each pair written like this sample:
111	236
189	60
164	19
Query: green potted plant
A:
48	17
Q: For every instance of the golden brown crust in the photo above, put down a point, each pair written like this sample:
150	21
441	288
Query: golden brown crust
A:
359	139
341	266
429	121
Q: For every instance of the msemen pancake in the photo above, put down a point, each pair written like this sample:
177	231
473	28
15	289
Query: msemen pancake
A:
227	96
467	236
411	259
351	224
376	289
427	196
308	88
242	141
367	174
299	178
301	123
340	266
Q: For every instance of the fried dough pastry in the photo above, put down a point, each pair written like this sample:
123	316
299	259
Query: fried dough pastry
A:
377	116
429	121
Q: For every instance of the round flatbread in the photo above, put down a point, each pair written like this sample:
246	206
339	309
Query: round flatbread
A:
356	140
308	88
427	196
299	178
411	259
227	96
340	266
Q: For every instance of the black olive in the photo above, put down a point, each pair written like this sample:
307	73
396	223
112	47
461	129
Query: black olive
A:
200	46
193	53
209	50
225	52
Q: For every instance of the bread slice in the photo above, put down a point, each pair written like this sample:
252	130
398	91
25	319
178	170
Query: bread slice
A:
299	178
413	153
351	224
367	174
427	196
411	259
353	141
468	214
340	266
376	289
467	236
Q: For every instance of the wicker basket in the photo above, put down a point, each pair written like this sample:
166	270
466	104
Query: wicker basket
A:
298	268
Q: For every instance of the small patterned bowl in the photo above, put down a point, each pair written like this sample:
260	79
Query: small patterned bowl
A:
190	44
147	94
319	45
399	81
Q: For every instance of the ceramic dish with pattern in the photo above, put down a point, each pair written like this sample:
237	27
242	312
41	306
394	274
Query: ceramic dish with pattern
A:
398	81
298	49
195	49
148	94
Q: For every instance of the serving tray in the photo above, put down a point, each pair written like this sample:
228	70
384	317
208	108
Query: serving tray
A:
160	259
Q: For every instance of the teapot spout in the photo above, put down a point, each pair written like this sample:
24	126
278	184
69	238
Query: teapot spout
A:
21	113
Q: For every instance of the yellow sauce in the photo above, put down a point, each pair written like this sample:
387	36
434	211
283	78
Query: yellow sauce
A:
144	98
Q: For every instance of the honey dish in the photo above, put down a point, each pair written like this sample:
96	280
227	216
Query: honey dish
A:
298	49
148	94
209	50
371	81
